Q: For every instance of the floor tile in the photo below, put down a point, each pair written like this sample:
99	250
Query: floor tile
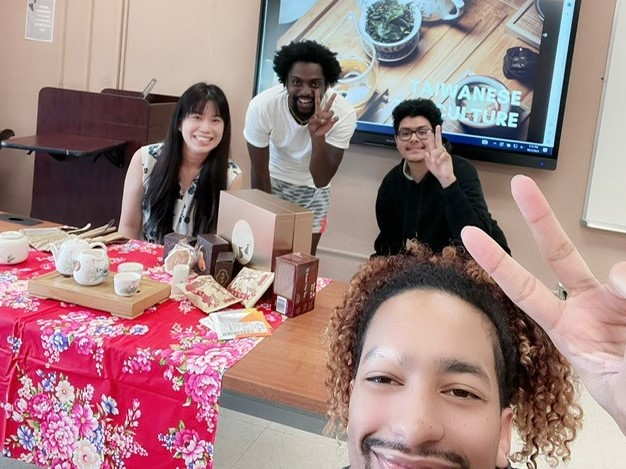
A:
236	432
279	448
229	414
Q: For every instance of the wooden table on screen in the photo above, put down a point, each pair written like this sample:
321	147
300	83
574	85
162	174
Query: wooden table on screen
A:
474	44
287	370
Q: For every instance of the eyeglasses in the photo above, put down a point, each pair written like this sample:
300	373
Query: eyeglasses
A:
421	133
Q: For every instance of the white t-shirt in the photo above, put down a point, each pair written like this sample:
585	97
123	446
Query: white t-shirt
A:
269	122
184	209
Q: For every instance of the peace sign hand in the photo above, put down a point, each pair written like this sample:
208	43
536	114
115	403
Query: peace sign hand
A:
323	119
438	160
589	328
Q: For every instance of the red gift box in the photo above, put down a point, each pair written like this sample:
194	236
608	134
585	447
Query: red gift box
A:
295	283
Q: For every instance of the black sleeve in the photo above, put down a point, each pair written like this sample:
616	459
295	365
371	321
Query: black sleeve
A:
389	239
465	204
498	235
464	201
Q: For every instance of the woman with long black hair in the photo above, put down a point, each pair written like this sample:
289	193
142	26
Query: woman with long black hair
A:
174	185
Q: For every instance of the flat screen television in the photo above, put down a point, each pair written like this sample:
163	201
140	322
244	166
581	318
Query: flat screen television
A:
497	69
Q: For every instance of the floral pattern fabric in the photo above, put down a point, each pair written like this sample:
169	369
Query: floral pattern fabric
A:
82	388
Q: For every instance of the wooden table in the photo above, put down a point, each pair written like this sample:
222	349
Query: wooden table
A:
286	372
14	222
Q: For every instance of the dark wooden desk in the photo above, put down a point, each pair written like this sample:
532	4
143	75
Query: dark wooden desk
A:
67	145
79	134
13	222
288	369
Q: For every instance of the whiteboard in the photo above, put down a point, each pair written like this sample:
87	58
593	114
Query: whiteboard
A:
605	203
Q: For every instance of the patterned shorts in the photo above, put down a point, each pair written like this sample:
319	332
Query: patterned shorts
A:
314	199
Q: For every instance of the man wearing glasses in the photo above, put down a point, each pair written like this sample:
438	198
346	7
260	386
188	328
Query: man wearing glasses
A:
431	195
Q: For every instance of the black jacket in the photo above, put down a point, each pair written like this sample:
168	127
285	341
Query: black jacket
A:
433	215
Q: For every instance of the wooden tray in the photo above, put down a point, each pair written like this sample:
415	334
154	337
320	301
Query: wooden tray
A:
102	297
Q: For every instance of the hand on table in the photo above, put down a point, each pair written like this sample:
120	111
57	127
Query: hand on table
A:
589	328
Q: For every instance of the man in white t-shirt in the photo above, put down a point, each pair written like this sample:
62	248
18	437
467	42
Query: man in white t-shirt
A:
297	131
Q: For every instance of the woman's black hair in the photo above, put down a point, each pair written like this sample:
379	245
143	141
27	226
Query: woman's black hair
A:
163	186
307	51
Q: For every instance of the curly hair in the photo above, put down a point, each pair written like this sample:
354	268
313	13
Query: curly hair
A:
416	107
534	379
307	51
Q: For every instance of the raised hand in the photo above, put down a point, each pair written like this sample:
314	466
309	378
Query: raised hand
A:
323	118
589	328
438	160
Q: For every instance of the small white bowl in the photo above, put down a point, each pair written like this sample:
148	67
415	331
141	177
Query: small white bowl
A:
486	107
394	51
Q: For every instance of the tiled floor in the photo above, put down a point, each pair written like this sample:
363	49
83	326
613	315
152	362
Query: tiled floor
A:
252	443
245	442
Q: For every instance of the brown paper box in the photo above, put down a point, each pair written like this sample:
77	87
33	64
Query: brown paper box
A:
303	221
258	229
224	268
210	246
295	283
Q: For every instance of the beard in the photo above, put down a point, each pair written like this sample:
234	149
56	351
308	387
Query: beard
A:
301	111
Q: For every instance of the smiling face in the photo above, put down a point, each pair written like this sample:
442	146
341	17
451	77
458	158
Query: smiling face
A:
426	395
414	149
302	81
202	132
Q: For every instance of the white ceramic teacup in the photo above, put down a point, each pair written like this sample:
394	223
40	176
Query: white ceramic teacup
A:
130	267
126	283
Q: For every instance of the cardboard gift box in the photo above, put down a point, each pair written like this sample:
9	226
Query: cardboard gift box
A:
303	218
225	268
261	227
210	245
295	283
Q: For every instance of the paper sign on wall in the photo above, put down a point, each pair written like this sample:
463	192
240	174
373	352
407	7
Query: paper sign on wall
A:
39	20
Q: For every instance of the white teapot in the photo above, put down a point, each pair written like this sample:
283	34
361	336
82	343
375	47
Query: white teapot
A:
91	267
13	247
67	253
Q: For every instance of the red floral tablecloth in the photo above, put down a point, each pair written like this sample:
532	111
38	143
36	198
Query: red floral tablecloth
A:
82	388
